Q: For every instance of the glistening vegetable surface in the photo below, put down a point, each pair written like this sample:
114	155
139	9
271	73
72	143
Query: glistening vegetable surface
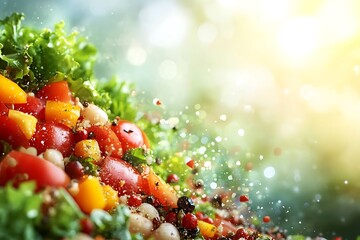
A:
103	162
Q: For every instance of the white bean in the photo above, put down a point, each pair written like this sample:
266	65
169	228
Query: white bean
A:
147	210
94	114
140	224
166	231
54	156
29	150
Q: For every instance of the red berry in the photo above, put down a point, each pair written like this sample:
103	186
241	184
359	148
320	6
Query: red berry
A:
87	225
172	178
171	217
189	221
244	198
266	219
241	233
134	200
74	169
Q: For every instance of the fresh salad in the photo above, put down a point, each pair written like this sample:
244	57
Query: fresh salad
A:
80	160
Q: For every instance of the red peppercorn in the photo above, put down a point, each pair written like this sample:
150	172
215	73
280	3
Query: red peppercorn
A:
266	219
244	198
189	221
172	178
134	200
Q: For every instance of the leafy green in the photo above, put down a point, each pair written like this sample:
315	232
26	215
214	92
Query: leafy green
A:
20	212
113	226
139	156
5	148
90	167
33	58
63	219
116	98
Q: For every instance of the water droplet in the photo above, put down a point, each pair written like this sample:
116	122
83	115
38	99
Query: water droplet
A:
241	132
223	117
269	172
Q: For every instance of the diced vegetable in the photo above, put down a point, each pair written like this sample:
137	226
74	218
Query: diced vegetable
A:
56	91
111	197
33	106
90	195
12	133
26	122
53	135
88	148
10	92
61	112
107	139
121	176
207	229
19	167
160	189
130	135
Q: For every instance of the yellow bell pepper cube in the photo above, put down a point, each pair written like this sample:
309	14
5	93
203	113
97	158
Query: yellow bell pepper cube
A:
10	92
88	148
62	112
26	122
90	195
208	230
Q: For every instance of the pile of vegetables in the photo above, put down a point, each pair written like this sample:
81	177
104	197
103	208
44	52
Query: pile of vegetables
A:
79	160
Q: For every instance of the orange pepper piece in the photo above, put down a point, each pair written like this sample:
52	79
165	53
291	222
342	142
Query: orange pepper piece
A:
88	148
10	92
62	112
90	195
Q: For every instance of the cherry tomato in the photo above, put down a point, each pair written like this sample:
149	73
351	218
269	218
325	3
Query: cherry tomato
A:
10	132
56	91
53	135
34	106
3	109
130	135
108	142
121	176
20	167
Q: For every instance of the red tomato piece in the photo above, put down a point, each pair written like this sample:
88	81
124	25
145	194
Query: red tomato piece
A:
121	176
10	132
130	135
20	167
227	226
244	198
108	141
3	109
56	91
53	135
34	106
190	163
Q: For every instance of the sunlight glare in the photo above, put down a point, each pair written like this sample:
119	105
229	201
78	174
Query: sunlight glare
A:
299	38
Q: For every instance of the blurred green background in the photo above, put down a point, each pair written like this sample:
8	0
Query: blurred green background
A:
278	82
